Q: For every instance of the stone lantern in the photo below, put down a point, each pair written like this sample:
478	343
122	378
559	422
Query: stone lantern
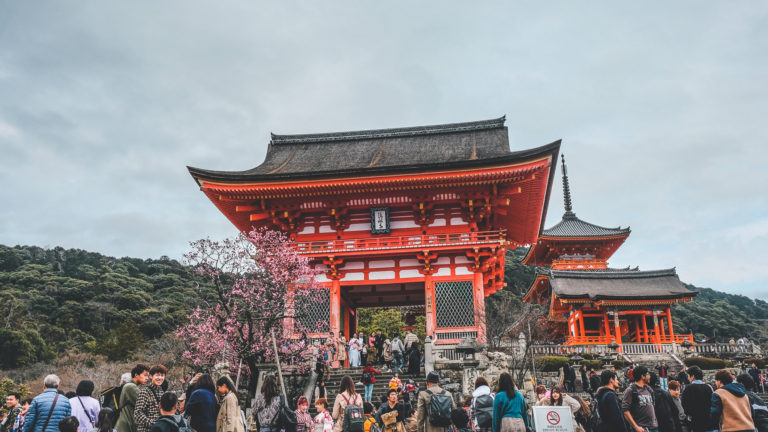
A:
468	347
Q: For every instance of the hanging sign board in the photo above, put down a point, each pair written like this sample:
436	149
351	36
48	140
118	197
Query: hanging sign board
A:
552	419
380	220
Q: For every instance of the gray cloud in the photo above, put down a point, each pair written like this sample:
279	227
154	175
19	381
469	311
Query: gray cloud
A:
661	108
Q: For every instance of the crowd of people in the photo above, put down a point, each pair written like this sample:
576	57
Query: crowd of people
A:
142	404
636	401
376	349
645	401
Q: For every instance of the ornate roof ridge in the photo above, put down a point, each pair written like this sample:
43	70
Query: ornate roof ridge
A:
629	273
574	220
389	133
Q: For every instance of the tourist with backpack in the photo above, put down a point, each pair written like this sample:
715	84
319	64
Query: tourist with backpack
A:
348	408
433	410
229	418
370	425
266	405
482	406
607	416
510	410
398	349
369	379
169	421
128	396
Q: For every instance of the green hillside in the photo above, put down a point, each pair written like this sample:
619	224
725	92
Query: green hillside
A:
58	300
54	300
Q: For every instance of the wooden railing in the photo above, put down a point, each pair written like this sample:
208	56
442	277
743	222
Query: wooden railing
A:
399	242
718	348
559	350
636	348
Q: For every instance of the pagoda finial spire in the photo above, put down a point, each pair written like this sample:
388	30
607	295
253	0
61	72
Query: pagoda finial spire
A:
566	190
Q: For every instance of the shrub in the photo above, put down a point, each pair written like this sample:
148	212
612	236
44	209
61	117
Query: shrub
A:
550	363
619	363
759	362
593	364
705	363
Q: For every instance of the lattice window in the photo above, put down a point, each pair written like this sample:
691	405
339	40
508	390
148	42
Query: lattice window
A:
454	304
318	310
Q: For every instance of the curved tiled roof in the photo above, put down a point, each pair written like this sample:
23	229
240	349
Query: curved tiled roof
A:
372	152
571	226
618	284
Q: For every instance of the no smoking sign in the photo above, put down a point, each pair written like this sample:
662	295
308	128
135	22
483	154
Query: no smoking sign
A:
552	419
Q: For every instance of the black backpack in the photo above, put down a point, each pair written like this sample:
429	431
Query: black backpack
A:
482	410
285	418
594	421
367	377
439	409
354	417
180	427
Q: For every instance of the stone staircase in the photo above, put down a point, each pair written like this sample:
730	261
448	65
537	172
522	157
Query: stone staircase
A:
379	388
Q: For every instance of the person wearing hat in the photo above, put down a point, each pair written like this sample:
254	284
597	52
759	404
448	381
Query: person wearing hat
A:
422	409
303	417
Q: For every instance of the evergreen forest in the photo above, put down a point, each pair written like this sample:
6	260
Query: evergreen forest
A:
57	301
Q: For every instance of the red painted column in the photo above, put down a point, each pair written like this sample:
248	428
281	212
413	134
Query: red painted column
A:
607	323
645	329
669	321
618	330
429	295
335	306
656	327
582	331
479	295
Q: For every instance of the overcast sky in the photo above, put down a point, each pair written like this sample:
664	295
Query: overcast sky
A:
662	108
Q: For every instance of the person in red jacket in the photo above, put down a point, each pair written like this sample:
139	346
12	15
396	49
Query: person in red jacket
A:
369	379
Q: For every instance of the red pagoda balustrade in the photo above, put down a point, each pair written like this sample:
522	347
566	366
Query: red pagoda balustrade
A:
371	244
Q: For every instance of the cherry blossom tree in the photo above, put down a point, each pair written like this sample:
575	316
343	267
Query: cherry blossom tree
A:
261	285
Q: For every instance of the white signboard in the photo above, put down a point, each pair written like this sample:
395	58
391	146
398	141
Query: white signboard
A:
552	419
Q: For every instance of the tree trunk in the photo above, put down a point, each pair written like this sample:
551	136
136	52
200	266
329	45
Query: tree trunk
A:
253	379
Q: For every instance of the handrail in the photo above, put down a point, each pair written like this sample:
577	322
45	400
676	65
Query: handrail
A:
399	242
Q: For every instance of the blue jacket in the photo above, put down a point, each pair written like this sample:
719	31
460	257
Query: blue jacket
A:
41	406
202	408
504	407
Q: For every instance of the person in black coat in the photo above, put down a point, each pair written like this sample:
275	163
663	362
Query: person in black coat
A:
414	361
697	400
608	404
584	379
569	378
666	411
754	372
594	381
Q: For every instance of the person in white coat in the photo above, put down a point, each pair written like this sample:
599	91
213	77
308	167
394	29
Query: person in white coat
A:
482	406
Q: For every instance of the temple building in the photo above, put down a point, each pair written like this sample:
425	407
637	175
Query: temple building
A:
594	303
395	217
